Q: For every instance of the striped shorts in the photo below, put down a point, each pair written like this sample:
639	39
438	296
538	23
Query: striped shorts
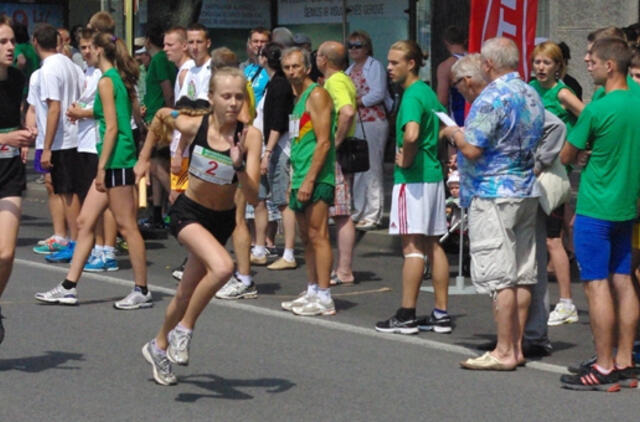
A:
119	177
418	208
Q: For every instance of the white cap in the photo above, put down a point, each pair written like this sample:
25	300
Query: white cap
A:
454	177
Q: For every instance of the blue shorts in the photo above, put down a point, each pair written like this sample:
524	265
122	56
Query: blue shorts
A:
602	247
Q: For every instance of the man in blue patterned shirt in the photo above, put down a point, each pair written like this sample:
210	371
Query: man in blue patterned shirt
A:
496	160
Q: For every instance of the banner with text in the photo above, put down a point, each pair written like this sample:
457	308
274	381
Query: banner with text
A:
515	19
235	14
32	14
303	12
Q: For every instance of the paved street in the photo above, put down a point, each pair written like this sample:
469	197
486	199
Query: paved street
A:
254	362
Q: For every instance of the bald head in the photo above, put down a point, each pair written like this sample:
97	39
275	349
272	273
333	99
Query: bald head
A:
335	53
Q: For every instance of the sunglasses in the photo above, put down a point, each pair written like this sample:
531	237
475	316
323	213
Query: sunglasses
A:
353	45
457	81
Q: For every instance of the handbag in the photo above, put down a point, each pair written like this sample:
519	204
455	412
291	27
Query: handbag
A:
353	153
554	186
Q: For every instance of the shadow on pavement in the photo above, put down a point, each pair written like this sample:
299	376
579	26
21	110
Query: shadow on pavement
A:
223	388
44	362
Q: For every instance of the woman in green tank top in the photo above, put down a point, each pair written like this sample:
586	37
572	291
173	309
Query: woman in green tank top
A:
113	185
559	99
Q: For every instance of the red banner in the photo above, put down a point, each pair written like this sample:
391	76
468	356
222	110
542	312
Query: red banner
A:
515	19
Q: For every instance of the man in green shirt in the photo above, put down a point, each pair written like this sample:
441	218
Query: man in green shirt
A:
313	158
606	209
161	75
418	198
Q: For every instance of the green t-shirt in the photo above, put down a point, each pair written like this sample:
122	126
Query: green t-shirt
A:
33	61
343	92
123	154
160	69
418	105
303	145
633	87
610	182
553	105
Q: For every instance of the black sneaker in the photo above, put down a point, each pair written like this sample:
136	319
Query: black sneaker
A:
437	325
628	377
178	271
395	325
592	380
583	366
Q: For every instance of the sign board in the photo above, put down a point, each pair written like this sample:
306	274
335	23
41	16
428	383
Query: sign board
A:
33	14
515	19
235	14
302	12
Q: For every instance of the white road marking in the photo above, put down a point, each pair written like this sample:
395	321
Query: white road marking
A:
319	322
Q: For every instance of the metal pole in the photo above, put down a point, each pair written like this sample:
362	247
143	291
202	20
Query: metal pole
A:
344	21
128	24
460	277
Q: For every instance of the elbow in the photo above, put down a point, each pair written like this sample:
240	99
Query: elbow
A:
565	159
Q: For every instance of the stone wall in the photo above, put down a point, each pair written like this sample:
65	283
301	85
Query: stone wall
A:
572	20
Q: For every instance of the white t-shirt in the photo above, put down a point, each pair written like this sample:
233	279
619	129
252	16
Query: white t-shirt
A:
41	110
175	140
61	80
87	134
188	65
196	83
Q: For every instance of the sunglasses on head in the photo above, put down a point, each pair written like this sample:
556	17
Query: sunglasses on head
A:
352	45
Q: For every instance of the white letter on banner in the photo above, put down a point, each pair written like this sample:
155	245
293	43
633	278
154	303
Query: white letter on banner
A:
511	4
505	27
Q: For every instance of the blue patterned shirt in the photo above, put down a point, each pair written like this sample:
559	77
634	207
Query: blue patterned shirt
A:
506	121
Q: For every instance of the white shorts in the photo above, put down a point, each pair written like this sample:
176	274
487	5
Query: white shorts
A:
418	208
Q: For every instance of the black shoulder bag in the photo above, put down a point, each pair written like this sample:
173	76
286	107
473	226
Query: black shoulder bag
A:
353	153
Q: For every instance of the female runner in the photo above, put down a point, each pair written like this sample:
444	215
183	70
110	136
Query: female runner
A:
113	186
224	155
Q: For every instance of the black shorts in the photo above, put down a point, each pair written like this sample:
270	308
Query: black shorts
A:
13	179
555	222
65	173
87	167
119	177
186	211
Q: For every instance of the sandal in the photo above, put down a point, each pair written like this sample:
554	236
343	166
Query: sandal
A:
336	281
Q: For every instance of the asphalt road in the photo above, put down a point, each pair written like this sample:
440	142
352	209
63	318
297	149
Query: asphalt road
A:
251	361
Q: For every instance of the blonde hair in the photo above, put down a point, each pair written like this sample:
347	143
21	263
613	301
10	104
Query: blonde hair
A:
412	51
554	52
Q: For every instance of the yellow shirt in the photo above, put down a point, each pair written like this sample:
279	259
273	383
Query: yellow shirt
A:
342	92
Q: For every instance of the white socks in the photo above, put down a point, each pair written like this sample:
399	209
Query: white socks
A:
245	279
288	255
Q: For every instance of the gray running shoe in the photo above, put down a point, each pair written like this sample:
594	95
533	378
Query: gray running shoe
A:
134	300
315	307
162	372
236	289
59	295
302	299
179	343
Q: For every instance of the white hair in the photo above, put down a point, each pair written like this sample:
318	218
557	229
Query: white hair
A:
468	66
502	52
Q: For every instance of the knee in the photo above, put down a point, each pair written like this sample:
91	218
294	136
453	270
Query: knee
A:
223	269
84	224
6	256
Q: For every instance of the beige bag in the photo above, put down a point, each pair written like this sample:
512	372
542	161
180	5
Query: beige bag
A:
554	186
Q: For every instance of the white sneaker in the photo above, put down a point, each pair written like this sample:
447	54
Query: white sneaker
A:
134	300
236	289
563	314
59	295
302	299
179	343
315	306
